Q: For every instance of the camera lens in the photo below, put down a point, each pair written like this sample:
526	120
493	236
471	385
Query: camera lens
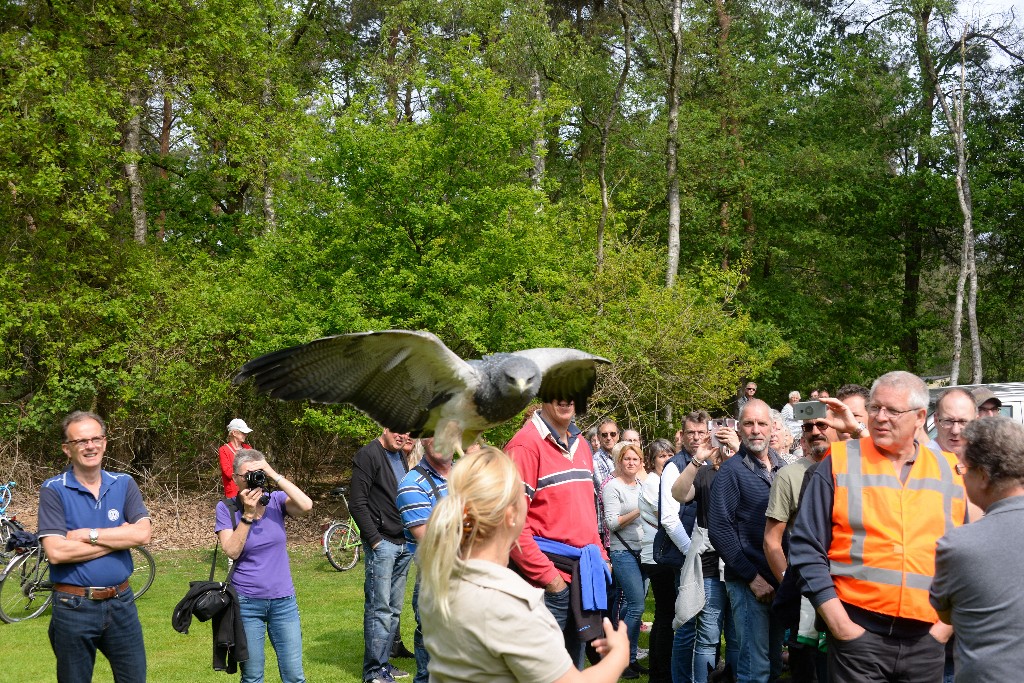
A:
256	479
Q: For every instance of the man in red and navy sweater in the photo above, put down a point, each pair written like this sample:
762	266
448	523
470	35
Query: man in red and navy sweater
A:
557	468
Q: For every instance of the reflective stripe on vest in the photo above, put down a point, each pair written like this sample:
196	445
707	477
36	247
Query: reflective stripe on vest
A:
867	572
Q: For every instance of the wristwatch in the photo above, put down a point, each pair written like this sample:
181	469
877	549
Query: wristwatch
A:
94	536
861	428
244	520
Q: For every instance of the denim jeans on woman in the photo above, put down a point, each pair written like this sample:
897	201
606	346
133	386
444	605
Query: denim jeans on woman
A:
626	572
278	617
715	618
663	588
387	567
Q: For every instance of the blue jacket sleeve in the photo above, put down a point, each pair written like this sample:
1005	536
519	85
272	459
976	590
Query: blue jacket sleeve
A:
725	496
812	535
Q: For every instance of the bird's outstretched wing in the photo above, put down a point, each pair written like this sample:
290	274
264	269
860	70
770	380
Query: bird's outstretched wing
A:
394	376
567	373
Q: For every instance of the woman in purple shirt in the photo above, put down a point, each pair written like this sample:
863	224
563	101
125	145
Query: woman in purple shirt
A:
255	540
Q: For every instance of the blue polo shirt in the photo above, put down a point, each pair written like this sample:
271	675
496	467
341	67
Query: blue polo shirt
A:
416	498
64	504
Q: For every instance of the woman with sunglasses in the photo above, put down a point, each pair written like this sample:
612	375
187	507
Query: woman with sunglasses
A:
482	621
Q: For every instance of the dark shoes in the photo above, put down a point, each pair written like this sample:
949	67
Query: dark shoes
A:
634	670
400	650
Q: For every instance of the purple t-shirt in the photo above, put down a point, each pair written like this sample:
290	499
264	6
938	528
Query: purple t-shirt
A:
262	569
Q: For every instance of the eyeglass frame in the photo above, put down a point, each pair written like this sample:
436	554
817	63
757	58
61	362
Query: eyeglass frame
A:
822	426
874	409
949	422
608	435
82	443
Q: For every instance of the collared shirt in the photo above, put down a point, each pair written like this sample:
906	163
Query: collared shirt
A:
546	432
416	499
65	504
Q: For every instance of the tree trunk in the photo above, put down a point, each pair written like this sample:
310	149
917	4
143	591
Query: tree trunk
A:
968	266
913	230
269	212
165	150
671	152
537	149
133	150
605	129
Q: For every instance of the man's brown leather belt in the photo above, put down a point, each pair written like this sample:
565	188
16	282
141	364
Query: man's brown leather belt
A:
92	592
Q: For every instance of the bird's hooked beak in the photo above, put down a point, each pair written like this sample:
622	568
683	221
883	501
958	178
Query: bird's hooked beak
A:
521	384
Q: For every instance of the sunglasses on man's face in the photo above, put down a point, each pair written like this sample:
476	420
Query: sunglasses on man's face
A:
607	434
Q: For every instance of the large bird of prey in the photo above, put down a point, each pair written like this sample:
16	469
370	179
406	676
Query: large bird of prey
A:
411	382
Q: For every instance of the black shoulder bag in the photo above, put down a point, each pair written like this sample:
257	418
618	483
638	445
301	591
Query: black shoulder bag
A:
206	599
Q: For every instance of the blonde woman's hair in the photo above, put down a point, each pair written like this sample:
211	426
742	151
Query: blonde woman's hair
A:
481	487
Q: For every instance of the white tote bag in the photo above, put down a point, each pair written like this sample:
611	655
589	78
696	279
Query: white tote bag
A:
690	597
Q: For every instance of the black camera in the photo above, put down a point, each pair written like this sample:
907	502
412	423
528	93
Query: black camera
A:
257	479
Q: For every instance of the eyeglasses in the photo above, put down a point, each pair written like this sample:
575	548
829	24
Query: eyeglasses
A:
961	468
82	443
949	423
886	410
607	433
809	426
751	388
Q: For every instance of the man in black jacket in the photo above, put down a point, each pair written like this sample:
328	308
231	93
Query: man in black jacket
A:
376	471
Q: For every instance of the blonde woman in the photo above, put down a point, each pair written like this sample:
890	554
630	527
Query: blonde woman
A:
621	496
481	621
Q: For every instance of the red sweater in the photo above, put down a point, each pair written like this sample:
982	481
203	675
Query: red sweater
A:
560	495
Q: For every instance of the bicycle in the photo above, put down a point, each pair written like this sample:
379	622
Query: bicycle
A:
26	590
8	525
341	539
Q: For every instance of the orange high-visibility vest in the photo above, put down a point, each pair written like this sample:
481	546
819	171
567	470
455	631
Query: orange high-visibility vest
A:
882	556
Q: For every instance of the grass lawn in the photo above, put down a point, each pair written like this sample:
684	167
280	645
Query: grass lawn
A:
330	604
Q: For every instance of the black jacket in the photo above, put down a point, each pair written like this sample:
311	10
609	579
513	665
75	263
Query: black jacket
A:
229	644
372	496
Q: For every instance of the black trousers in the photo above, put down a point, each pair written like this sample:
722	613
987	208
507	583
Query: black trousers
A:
872	658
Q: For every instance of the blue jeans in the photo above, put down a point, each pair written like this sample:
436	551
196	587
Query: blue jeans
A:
558	605
80	626
387	567
422	656
758	634
711	621
626	571
280	618
682	651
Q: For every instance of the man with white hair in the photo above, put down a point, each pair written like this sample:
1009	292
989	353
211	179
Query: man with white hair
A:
864	541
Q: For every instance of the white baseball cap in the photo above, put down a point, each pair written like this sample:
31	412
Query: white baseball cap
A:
238	424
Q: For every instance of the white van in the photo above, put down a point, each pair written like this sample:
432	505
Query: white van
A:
1011	394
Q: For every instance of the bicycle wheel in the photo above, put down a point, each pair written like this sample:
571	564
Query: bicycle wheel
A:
341	545
24	590
144	571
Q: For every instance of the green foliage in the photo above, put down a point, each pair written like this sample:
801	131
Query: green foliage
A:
319	169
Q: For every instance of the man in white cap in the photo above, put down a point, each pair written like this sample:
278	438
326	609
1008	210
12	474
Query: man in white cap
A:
237	429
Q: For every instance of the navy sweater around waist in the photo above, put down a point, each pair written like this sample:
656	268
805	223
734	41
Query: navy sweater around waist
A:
739	498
